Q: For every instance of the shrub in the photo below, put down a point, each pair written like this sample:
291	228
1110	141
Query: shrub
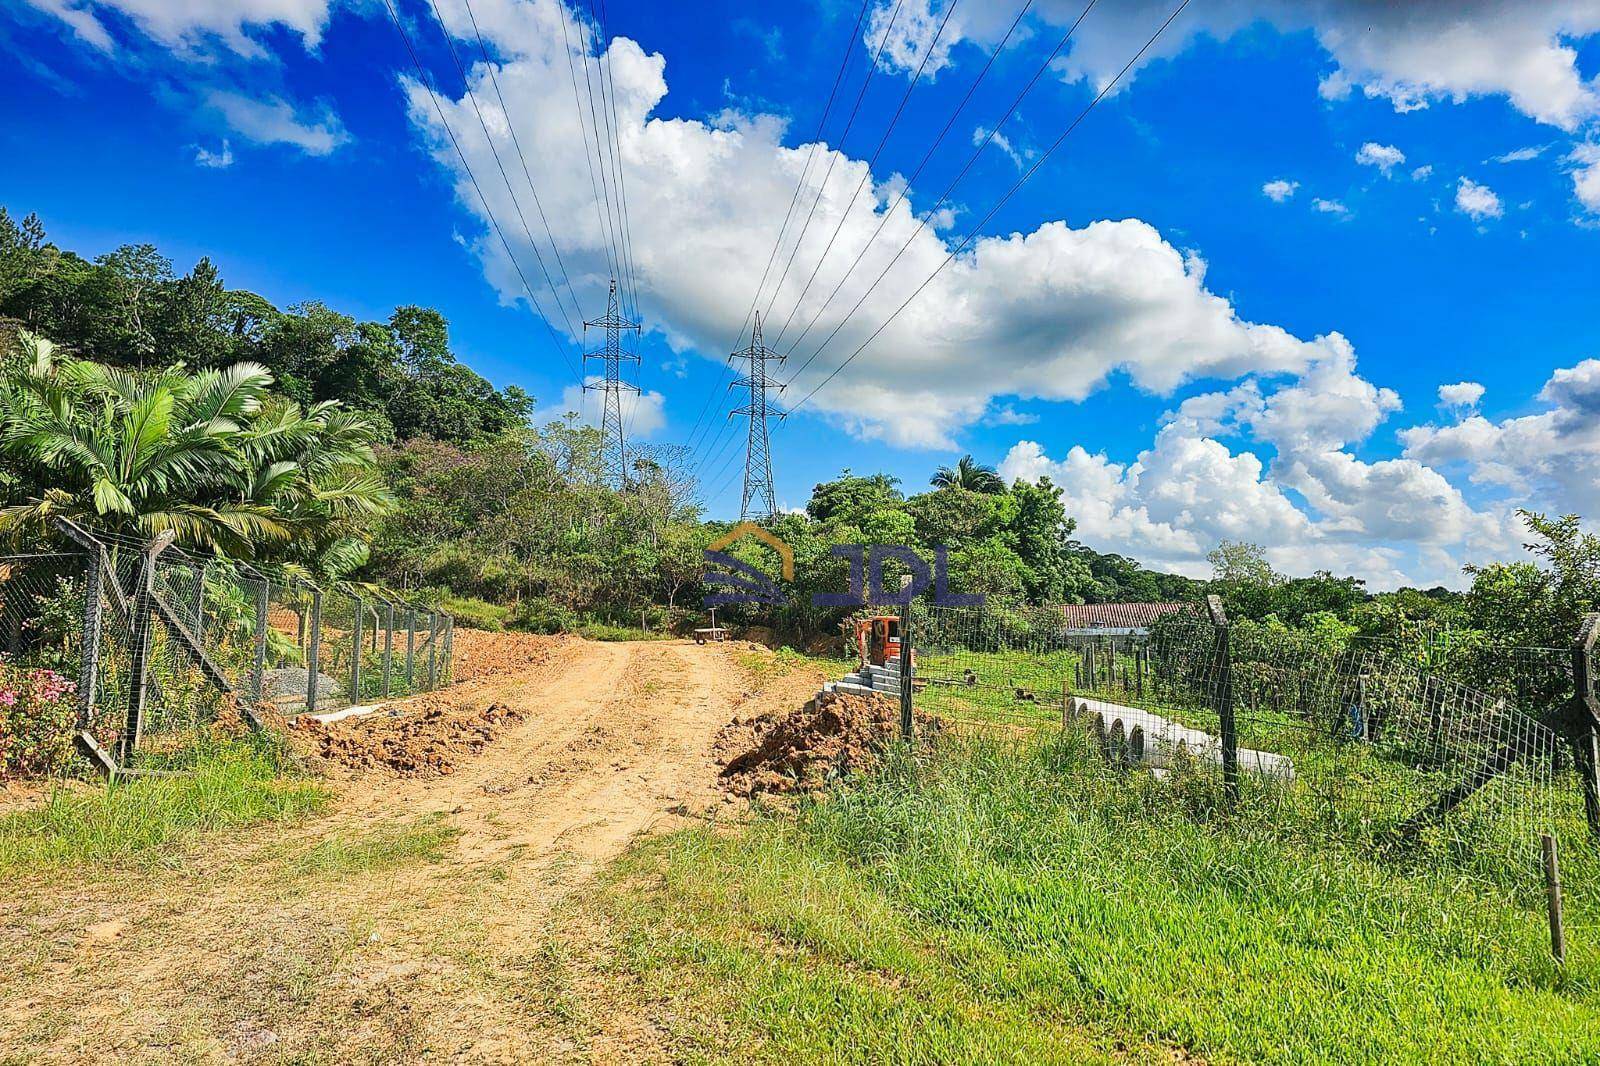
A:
476	613
37	713
541	616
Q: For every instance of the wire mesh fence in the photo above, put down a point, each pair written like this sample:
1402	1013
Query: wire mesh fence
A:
1359	744
139	651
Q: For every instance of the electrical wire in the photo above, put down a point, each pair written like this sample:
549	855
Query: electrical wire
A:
427	83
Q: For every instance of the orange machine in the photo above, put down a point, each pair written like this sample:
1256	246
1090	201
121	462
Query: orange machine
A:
878	639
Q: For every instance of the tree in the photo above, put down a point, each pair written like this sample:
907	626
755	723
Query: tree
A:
968	474
212	457
1529	604
850	500
1240	562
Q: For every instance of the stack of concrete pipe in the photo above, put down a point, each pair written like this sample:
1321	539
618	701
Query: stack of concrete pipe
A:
1137	737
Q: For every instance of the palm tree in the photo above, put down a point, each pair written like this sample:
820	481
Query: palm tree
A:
212	456
968	474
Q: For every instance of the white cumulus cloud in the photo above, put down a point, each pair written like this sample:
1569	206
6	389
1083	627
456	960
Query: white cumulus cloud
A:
1476	201
273	120
1279	190
1410	54
1552	456
190	25
1383	156
1313	503
1461	396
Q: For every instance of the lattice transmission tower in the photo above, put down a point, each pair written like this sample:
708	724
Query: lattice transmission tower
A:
758	453
611	386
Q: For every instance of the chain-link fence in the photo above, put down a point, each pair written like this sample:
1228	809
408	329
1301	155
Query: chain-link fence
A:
139	650
1360	743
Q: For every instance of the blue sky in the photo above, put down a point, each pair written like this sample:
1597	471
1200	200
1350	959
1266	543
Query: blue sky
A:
1194	352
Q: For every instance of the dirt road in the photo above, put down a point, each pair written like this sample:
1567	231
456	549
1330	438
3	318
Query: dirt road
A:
417	917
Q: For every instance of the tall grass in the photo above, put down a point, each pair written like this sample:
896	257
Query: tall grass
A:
1023	878
137	819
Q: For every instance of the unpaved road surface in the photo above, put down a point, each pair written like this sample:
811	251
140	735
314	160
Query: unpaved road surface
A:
417	918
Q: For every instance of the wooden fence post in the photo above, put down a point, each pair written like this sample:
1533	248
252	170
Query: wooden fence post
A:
314	650
1552	896
1584	719
1223	659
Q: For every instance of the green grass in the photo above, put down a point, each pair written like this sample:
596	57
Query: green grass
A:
1017	901
385	848
606	631
141	818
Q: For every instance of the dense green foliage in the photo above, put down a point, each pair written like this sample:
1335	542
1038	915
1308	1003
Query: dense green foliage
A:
213	457
128	308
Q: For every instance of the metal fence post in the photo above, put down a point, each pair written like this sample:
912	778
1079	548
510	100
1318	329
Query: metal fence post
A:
258	669
356	651
1584	719
449	649
411	648
199	626
388	647
89	668
906	725
1229	728
141	611
433	650
314	650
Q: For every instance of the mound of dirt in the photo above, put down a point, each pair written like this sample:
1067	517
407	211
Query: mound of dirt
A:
482	654
426	738
834	734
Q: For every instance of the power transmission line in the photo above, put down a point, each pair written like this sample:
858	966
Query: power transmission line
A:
844	62
910	182
833	157
977	153
866	173
577	104
1101	95
516	142
516	203
427	83
621	172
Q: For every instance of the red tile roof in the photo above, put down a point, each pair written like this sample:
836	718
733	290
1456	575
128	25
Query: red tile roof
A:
1118	615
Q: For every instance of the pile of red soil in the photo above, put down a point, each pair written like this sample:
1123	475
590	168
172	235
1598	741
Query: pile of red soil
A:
480	653
425	738
833	735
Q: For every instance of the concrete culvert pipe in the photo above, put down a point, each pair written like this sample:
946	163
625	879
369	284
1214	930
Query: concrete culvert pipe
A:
1162	742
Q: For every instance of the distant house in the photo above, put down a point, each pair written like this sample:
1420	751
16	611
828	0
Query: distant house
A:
1117	619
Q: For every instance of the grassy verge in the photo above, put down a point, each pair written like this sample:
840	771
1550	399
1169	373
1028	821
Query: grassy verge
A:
232	784
995	903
